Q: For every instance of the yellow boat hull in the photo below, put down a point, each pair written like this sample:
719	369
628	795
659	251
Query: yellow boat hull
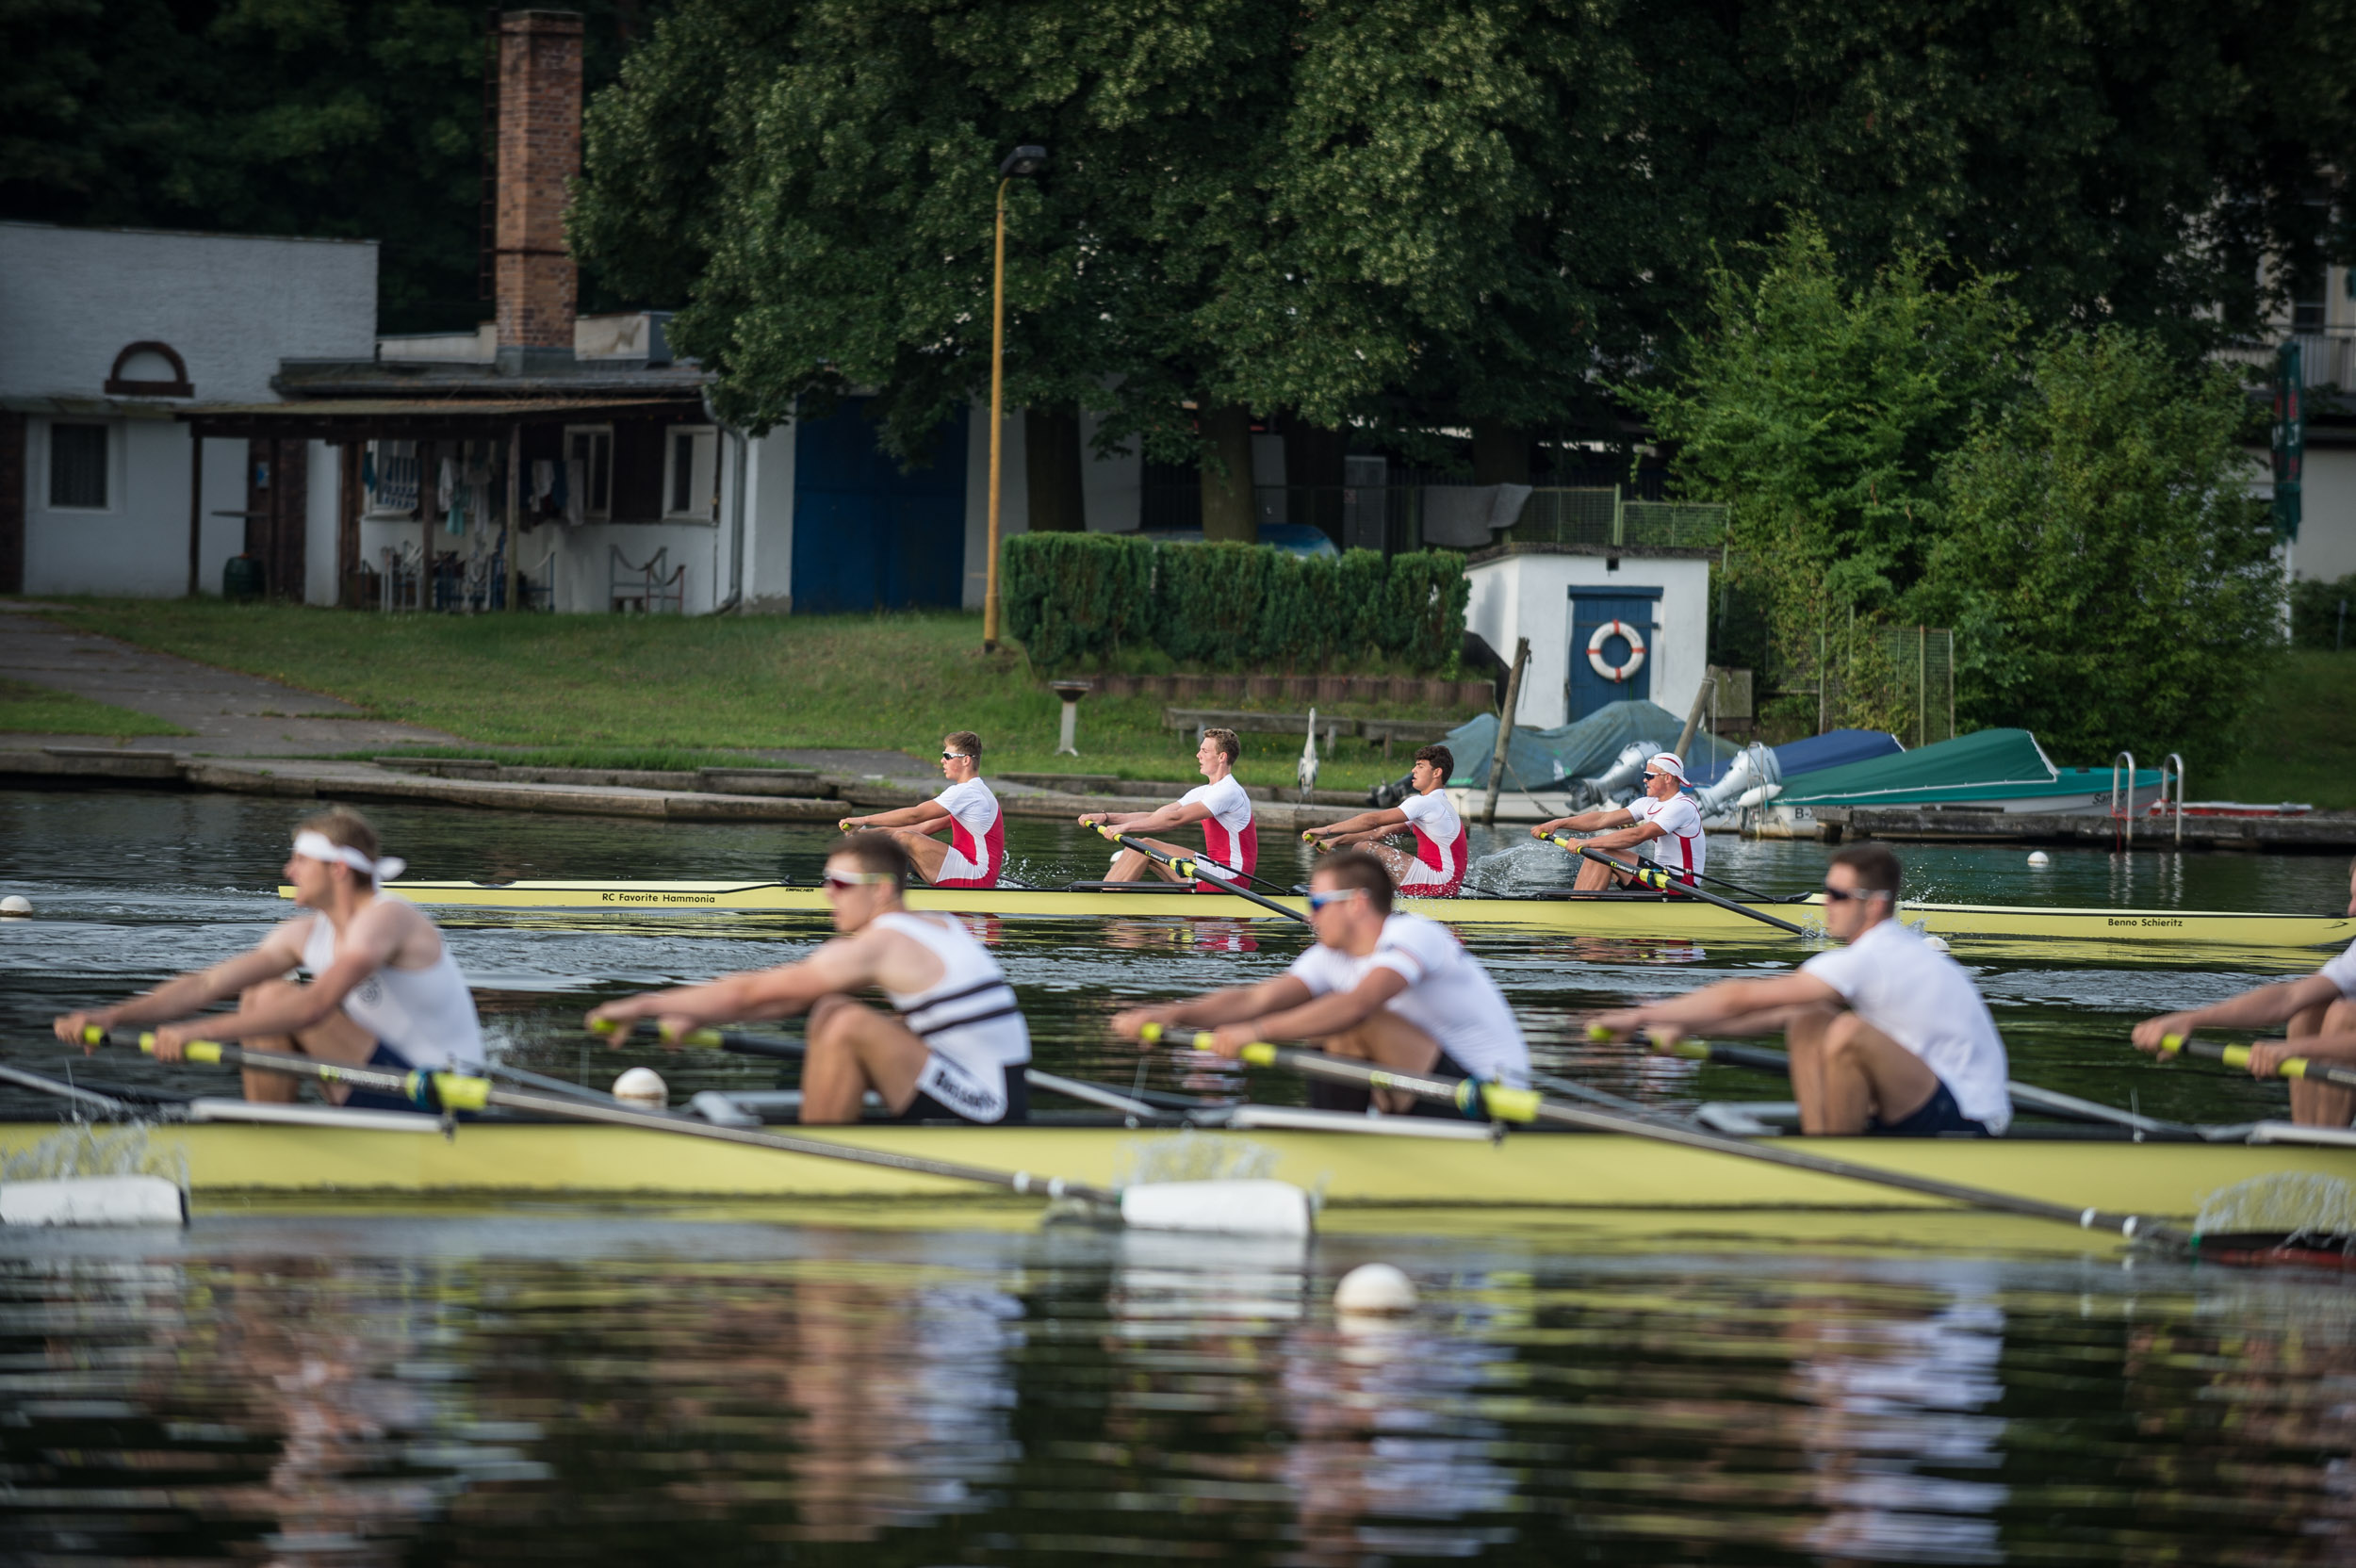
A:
1621	917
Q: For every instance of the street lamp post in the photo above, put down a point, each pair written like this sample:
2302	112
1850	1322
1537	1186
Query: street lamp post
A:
1019	164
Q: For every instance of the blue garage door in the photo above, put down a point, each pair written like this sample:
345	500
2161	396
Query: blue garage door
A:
1591	609
867	536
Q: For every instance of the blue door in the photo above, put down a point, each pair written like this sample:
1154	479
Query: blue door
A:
866	535
1593	611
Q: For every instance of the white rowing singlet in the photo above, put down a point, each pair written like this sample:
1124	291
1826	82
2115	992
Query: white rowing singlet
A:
426	1014
969	1020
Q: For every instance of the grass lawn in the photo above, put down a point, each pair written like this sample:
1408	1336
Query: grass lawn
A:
2302	738
616	685
29	709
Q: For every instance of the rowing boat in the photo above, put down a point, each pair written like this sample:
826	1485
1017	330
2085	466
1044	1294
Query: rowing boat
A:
1640	916
1380	1164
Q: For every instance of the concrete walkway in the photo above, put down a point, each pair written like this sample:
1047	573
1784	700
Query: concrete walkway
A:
225	714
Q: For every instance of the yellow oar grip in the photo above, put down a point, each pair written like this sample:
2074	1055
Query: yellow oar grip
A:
843	825
1256	1053
1150	1033
92	1035
458	1092
2234	1055
2171	1044
1692	1051
1598	1033
1510	1105
195	1051
707	1038
1308	834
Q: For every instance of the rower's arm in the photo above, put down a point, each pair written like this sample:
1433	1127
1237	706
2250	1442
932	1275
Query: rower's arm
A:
1325	1015
2259	1008
1729	1003
926	814
845	964
367	945
186	994
1627	838
1585	822
1216	1008
1176	814
1366	825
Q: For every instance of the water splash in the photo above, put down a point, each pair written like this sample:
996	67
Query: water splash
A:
82	1150
2290	1202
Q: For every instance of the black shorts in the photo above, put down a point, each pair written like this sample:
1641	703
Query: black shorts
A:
1934	1117
925	1109
1341	1097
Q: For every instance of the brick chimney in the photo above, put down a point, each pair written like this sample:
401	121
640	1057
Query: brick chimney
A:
539	151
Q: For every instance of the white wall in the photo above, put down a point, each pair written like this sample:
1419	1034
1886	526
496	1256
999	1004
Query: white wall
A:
139	542
232	305
323	479
769	521
1529	596
585	564
2327	526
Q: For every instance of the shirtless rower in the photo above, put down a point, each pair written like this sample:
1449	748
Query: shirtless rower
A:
966	810
1436	869
954	1044
1887	1034
2321	1012
1395	989
1662	825
384	990
1229	836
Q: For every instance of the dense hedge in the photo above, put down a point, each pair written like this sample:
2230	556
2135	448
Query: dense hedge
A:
1074	600
2316	613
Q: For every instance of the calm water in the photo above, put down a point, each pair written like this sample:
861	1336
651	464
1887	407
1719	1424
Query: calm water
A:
571	1385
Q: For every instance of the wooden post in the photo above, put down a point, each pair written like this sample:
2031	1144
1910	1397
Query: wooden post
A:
1505	730
1694	715
196	510
515	515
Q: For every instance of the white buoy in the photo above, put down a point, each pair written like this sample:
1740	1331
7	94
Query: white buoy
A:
1935	943
644	1087
16	903
2039	857
1376	1289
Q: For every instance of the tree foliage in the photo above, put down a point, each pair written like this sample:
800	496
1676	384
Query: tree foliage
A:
2110	580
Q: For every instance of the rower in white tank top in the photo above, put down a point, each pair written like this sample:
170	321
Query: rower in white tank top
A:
970	1020
426	1014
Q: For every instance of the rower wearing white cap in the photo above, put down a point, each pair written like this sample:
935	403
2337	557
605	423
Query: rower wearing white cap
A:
1662	825
384	991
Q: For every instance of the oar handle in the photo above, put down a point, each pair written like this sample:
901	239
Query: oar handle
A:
2238	1058
1474	1097
1662	881
429	1091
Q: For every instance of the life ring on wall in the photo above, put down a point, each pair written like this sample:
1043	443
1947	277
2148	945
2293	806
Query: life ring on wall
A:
1603	634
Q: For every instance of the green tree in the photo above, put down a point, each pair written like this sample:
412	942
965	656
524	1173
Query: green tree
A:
2110	581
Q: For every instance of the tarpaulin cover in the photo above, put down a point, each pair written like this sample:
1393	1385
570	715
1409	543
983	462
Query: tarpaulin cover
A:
1544	758
1984	758
1834	748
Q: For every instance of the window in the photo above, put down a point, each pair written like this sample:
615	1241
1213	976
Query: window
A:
592	446
691	472
391	477
77	467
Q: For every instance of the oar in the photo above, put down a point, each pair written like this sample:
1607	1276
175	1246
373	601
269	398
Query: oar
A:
1500	1102
2238	1056
2028	1095
1256	1207
1660	881
1189	868
792	1050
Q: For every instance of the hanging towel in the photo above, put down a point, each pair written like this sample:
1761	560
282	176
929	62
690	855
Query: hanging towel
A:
367	471
446	485
543	478
571	485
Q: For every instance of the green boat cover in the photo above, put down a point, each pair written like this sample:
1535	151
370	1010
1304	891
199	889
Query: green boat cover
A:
1985	765
1543	758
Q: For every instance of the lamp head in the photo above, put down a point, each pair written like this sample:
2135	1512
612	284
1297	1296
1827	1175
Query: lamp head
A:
1022	162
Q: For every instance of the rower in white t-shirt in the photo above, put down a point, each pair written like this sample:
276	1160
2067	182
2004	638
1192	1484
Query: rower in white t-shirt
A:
976	850
1395	990
1888	1033
1442	849
2319	1015
1230	838
1662	825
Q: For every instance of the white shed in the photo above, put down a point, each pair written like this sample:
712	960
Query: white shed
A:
1605	623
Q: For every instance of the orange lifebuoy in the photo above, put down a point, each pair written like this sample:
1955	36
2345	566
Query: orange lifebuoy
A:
1603	634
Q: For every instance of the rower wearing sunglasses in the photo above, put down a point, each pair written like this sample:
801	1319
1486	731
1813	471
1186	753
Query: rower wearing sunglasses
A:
952	1045
966	810
1887	1034
1395	989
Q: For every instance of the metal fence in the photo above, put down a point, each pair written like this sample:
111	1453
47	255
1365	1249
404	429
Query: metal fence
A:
1912	695
2327	357
1608	517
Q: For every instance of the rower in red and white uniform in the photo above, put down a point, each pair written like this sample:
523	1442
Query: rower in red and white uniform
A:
1230	838
1441	849
976	850
1662	825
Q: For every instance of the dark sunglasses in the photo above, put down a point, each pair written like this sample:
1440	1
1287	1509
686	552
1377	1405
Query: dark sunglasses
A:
836	881
1340	895
954	756
1845	895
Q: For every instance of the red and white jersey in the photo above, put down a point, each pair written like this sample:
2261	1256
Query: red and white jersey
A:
1228	834
1683	846
977	837
1442	846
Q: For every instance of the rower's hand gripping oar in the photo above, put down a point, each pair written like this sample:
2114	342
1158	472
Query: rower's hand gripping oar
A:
1233	1207
1189	869
1527	1106
2237	1056
1660	881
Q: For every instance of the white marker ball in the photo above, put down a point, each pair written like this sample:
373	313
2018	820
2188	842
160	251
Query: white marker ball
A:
644	1087
16	903
1375	1288
1937	944
2039	857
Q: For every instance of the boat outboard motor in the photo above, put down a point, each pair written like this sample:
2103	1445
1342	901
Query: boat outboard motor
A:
1626	771
1755	767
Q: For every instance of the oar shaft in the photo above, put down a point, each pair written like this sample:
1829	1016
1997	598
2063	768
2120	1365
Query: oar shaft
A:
1660	881
1189	868
786	1050
2237	1056
1525	1105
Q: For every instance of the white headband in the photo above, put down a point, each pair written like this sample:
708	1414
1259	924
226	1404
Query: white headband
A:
314	845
